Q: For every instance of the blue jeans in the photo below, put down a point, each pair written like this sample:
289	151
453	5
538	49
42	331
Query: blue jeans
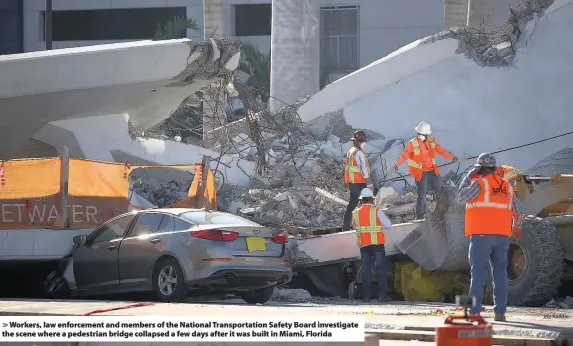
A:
378	253
489	251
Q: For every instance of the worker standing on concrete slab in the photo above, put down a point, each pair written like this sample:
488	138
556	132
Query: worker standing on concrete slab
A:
370	223
356	175
492	213
421	155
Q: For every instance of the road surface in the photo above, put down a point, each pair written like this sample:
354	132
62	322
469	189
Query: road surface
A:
403	317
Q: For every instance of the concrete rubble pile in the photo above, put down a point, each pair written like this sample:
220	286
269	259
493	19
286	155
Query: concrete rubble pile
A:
285	194
161	194
302	184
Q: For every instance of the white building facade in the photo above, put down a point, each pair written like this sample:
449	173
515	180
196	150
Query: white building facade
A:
354	33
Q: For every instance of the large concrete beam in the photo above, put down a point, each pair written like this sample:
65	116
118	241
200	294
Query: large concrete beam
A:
146	80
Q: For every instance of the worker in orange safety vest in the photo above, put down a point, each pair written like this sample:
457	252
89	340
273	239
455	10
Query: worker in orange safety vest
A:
510	173
370	222
356	175
421	155
492	213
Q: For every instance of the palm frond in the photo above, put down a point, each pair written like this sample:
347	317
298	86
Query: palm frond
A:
175	28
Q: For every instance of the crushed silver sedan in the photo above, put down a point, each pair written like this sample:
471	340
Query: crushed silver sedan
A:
175	253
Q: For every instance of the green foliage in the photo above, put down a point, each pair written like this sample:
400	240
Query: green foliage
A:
325	70
174	28
257	66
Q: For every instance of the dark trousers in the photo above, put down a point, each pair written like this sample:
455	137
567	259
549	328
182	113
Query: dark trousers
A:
489	251
355	190
428	179
376	254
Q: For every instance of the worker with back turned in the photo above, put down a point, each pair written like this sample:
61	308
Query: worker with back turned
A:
356	175
492	213
370	223
421	155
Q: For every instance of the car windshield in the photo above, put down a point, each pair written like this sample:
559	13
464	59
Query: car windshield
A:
218	218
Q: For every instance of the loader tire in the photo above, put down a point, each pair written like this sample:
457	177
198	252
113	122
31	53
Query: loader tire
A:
535	263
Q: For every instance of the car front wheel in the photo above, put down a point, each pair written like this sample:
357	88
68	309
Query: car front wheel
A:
168	281
258	296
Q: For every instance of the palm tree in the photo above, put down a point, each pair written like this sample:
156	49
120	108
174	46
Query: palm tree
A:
175	28
257	66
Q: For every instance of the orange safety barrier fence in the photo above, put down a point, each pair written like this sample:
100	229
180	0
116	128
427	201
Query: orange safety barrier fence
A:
97	191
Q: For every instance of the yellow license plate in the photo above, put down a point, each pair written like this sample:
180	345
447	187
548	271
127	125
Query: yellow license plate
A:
256	244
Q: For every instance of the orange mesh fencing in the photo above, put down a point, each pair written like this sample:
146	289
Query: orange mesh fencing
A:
97	191
29	178
96	178
210	194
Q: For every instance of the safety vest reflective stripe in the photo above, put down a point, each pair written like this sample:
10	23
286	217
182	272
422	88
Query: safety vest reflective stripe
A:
491	211
417	152
372	228
486	202
352	166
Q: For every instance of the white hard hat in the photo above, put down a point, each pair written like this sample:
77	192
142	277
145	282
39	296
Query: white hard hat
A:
423	128
366	193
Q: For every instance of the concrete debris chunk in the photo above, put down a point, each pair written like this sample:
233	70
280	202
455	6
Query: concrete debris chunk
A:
162	194
561	303
290	295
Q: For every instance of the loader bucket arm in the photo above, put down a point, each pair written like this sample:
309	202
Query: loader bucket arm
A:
547	200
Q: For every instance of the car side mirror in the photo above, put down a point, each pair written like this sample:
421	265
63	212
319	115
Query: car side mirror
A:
80	239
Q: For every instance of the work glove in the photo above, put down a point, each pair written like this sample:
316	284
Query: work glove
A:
516	233
395	168
455	159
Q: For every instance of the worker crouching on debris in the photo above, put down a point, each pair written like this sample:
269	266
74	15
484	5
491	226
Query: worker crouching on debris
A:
370	223
421	155
356	175
491	208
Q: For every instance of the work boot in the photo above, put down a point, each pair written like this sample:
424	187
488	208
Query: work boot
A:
500	317
383	297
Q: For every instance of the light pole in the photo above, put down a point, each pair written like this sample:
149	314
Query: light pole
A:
48	25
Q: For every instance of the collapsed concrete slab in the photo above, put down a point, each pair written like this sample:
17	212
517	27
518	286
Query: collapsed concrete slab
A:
507	93
146	80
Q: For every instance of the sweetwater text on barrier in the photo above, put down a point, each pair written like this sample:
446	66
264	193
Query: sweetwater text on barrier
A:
180	328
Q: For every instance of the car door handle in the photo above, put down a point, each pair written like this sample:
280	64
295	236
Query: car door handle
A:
154	240
111	247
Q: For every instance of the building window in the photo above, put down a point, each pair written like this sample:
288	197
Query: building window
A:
111	25
253	20
11	27
339	37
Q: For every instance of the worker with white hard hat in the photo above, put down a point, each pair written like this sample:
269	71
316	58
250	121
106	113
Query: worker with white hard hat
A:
370	222
491	209
357	175
420	152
